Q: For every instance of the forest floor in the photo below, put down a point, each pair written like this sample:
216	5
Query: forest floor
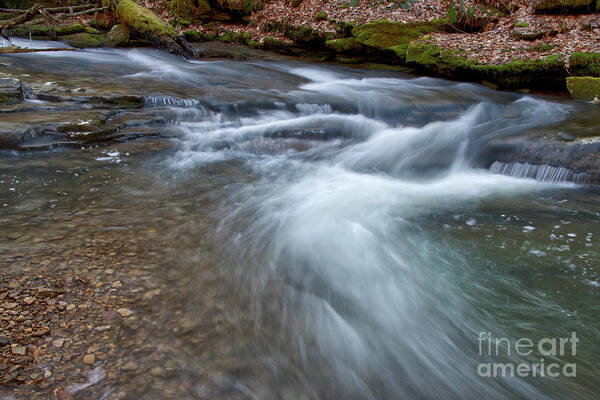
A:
520	35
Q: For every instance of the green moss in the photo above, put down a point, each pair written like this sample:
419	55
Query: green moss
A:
584	64
584	88
523	35
91	30
270	43
321	16
42	30
394	36
521	25
344	45
541	47
83	40
515	74
118	36
197	36
234	37
142	19
69	30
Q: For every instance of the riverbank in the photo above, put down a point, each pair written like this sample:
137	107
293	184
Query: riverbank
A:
517	45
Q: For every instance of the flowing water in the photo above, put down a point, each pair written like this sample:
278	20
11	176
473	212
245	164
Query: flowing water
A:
347	214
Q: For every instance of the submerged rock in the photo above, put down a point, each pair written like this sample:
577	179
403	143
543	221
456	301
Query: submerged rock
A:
584	88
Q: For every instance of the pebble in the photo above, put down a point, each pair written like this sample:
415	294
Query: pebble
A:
566	137
109	315
92	349
58	343
125	312
43	292
130	366
18	350
89	359
28	300
4	340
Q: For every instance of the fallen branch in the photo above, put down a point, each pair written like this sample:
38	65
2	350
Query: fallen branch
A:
14	49
26	16
49	9
63	16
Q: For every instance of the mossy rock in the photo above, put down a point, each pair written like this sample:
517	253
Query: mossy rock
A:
192	35
190	10
564	6
584	88
91	30
548	72
118	36
234	37
84	40
524	34
584	64
344	45
302	35
69	30
143	20
11	91
42	30
394	36
321	16
273	44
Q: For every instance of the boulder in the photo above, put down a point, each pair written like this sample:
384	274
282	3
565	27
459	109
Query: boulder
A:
584	88
118	36
531	35
83	40
11	91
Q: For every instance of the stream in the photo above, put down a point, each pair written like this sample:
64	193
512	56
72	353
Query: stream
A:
352	218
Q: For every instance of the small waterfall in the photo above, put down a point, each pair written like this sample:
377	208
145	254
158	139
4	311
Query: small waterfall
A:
544	173
170	101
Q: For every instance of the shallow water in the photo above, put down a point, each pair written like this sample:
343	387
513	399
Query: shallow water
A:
345	212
